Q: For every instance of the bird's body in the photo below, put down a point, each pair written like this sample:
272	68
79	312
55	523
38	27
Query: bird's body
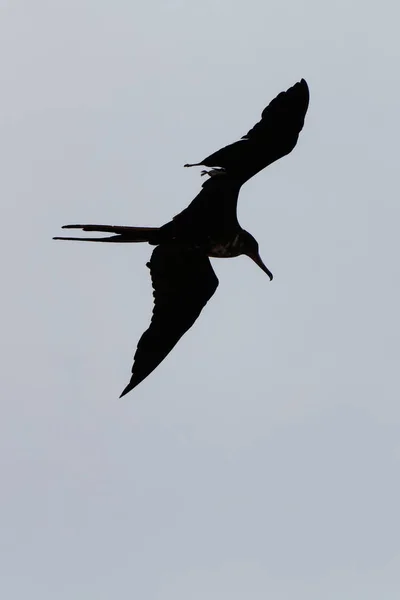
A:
181	272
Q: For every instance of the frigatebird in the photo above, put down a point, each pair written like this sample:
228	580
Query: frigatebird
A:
182	276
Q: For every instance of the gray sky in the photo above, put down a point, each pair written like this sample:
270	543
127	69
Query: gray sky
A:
261	459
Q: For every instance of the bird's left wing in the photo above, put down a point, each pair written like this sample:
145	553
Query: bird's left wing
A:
183	281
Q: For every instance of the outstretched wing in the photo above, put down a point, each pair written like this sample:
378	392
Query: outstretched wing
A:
271	138
183	281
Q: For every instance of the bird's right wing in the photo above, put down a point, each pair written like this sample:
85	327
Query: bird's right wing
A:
274	136
183	281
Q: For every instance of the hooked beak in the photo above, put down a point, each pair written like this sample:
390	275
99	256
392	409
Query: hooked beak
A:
259	262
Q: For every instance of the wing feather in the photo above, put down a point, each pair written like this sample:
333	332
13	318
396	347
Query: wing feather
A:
274	136
183	282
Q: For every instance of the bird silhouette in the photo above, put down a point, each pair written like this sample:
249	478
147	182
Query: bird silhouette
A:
182	276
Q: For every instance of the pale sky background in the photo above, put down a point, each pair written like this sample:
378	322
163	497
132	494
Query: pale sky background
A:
261	460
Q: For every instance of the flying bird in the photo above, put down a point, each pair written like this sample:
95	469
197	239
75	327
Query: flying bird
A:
182	276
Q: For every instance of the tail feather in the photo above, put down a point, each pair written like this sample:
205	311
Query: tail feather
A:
123	234
113	238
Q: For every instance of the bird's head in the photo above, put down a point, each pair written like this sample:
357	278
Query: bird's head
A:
249	247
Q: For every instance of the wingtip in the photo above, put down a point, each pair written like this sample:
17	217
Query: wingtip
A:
304	82
128	388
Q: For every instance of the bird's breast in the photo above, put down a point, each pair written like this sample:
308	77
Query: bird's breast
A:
224	249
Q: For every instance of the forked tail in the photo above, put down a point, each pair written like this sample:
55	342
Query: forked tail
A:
122	234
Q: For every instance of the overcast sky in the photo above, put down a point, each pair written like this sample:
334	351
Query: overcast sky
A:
261	459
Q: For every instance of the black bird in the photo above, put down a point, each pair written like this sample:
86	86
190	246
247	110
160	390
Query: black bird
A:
182	277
